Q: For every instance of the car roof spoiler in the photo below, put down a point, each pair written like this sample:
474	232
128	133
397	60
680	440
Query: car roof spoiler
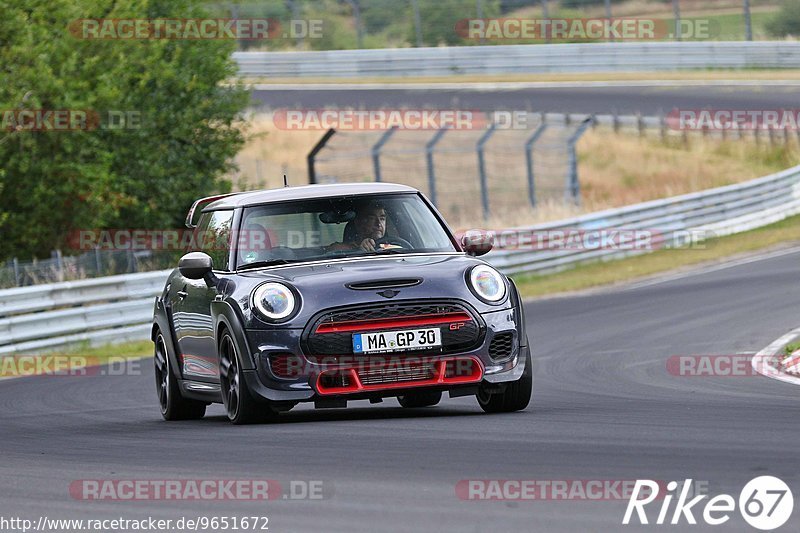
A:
189	222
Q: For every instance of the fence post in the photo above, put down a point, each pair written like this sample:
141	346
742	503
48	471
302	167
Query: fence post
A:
748	24
479	13
17	278
98	262
59	264
357	20
429	147
312	172
545	16
417	22
574	184
131	260
482	170
676	9
296	16
529	160
376	151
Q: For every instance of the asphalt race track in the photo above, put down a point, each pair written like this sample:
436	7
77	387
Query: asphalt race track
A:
600	100
605	408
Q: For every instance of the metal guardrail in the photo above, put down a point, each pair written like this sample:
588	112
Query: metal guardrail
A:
507	59
119	308
94	311
715	212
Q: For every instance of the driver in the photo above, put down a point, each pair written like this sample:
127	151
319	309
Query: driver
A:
369	225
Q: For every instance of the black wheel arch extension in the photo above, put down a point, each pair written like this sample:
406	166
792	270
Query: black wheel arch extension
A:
227	316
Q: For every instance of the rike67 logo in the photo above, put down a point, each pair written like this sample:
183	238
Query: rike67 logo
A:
765	503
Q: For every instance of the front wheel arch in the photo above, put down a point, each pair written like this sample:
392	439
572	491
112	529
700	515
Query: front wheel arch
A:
226	317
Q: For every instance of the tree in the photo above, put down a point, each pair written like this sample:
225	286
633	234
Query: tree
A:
439	20
786	21
138	176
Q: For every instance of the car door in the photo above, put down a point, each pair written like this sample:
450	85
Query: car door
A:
194	327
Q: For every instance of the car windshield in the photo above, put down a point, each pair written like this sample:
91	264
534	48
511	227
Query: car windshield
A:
352	226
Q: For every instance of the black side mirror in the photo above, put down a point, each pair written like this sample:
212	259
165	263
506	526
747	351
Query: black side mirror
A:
197	265
477	242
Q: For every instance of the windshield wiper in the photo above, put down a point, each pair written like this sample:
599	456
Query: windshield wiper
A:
261	264
386	251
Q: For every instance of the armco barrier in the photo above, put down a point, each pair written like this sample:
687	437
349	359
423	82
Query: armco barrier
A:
94	311
519	59
118	308
720	211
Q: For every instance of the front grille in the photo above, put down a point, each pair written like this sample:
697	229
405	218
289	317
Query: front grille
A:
396	374
502	345
389	311
459	335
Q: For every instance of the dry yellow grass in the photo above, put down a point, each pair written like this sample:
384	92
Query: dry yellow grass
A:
633	8
623	169
615	169
271	152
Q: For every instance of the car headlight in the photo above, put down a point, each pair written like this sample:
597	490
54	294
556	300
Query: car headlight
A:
274	301
487	283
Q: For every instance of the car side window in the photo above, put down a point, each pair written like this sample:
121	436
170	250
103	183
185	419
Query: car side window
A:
214	237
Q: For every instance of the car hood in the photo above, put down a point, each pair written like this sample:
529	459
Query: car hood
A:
330	284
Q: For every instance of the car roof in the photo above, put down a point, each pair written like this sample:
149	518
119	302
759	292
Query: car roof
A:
305	192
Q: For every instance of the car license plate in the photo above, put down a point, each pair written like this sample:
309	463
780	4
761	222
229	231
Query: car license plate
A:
397	341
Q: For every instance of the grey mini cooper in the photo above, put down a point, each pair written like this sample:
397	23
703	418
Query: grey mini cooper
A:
331	293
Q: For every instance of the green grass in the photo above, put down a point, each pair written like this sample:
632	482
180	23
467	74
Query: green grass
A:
126	350
73	359
792	347
610	272
730	27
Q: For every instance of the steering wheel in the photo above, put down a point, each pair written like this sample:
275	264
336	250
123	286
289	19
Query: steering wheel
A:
394	240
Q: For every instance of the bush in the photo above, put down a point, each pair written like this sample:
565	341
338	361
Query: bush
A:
786	21
56	181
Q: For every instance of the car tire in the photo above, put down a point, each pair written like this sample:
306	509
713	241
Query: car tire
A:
240	405
173	405
515	397
420	399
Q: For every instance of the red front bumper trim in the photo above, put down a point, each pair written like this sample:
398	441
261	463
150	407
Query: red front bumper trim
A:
457	370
